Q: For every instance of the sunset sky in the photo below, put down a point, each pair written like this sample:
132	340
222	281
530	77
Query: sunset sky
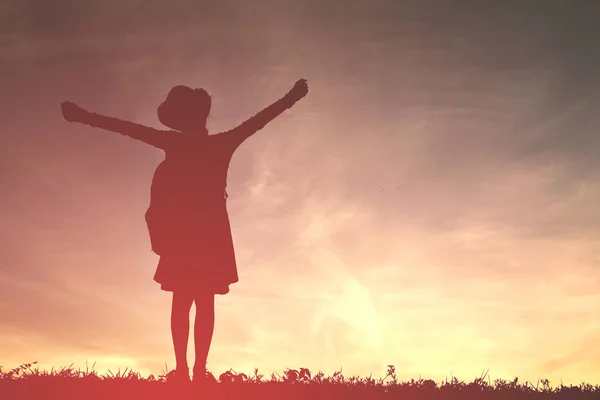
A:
433	203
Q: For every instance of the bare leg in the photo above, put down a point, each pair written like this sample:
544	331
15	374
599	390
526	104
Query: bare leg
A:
203	330
180	328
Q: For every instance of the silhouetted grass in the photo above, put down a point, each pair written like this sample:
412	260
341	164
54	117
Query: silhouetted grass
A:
27	382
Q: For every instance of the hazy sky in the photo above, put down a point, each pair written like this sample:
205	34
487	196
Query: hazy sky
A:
432	203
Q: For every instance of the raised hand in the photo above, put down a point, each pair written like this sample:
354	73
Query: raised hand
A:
299	90
71	111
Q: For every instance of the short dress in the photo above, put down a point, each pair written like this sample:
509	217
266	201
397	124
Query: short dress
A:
187	218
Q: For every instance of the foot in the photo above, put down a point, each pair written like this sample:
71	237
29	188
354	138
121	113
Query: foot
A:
202	376
179	376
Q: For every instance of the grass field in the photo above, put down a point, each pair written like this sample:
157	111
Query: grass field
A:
27	382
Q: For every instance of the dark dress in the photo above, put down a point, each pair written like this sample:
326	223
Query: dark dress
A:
187	218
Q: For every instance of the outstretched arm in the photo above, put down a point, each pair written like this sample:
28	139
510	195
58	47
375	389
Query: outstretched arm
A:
258	121
151	136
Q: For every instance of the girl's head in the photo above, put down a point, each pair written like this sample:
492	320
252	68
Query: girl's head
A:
185	109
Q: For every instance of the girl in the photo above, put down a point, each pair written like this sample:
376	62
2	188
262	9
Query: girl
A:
187	218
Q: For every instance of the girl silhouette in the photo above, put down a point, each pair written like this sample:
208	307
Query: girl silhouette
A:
187	218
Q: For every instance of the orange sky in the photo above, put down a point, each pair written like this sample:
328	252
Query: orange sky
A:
432	203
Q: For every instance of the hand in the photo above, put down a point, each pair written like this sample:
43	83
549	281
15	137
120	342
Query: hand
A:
71	111
299	90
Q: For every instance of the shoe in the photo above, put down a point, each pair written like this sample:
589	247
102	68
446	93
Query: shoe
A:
178	376
203	377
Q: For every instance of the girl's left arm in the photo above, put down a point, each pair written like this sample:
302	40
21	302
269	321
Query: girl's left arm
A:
260	120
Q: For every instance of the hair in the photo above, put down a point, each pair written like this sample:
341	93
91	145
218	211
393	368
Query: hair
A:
184	107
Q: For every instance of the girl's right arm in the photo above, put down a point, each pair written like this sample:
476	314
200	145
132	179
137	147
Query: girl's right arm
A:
154	137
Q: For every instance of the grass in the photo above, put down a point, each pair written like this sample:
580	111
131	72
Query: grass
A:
27	382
